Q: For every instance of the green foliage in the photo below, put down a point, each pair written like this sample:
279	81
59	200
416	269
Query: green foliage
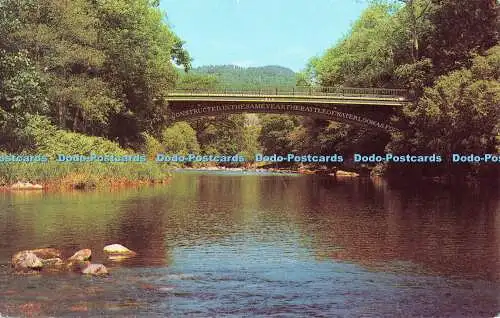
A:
410	43
84	104
180	138
197	81
151	146
462	28
221	135
365	57
459	114
487	67
414	20
275	136
81	175
415	76
237	77
47	139
139	47
327	137
22	92
104	63
251	134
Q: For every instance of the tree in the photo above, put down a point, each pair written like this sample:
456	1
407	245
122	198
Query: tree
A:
462	28
275	135
224	134
194	81
459	114
139	48
22	93
251	133
107	64
414	15
366	56
180	138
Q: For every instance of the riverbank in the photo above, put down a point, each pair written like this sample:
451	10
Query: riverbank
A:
79	176
298	170
88	176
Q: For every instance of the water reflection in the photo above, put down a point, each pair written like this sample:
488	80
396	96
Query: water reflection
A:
281	239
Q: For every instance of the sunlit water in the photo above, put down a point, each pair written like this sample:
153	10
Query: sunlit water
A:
236	244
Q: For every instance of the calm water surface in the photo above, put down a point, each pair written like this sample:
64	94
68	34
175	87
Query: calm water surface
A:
235	245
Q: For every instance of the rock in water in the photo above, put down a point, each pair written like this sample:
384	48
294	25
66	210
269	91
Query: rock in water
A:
79	260
95	269
115	250
77	266
81	255
26	261
53	264
47	253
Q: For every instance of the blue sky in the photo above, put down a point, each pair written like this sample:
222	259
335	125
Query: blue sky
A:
260	32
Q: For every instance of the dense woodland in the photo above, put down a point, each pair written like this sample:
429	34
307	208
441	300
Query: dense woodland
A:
238	77
85	75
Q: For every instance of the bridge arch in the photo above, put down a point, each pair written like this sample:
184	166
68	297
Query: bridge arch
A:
371	108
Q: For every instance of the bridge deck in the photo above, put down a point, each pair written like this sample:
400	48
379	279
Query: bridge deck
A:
391	102
351	96
331	92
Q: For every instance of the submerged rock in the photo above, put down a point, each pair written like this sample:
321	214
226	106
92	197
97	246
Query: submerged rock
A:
77	266
95	269
26	261
118	251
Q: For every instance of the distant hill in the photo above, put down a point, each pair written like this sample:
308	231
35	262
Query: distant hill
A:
249	77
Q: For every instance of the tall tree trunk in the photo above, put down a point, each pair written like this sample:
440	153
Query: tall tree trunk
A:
414	34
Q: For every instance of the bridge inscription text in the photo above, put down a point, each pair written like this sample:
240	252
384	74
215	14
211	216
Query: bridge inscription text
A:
205	110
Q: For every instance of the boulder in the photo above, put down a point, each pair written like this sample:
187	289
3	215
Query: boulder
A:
26	261
47	253
81	255
79	260
95	269
118	251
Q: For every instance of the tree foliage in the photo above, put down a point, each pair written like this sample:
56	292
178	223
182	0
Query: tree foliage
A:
275	134
365	57
237	77
180	138
439	49
106	65
459	114
22	93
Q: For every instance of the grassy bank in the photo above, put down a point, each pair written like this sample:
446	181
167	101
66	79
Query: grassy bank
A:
54	175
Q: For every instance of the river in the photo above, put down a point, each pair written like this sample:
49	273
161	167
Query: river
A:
222	244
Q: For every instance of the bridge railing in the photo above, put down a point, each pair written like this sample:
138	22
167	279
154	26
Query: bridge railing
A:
297	91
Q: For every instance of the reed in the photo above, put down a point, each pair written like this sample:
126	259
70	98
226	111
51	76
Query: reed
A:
83	175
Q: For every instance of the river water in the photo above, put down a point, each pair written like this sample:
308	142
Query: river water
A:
236	244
